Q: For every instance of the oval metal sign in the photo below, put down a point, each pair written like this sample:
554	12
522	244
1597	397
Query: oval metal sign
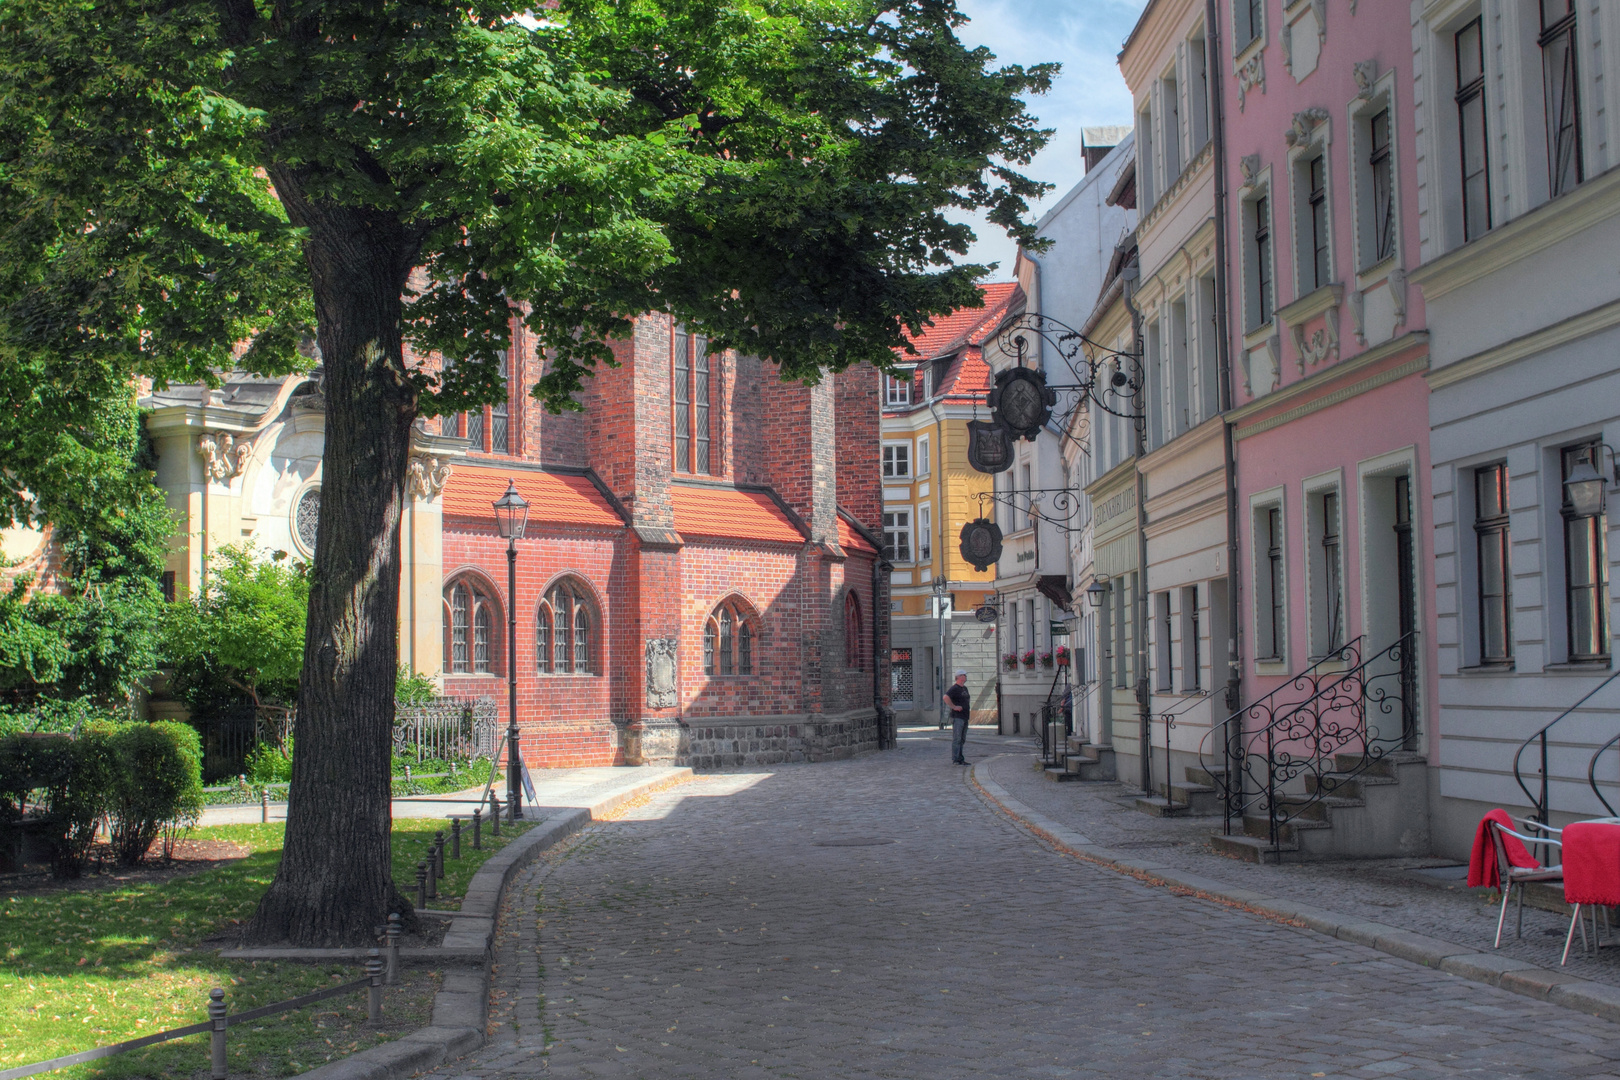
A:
981	543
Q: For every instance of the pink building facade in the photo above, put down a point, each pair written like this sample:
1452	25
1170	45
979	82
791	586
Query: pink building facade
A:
1329	423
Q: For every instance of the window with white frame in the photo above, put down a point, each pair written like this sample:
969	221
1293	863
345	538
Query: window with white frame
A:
1258	261
1197	91
1270	584
1586	564
1027	507
1180	402
1164	680
896	460
1248	22
924	458
1372	135
1494	576
1313	257
1145	193
1192	645
1121	607
897	535
928	383
925	532
897	390
1209	376
1158	369
1326	569
1473	154
1561	79
1170	125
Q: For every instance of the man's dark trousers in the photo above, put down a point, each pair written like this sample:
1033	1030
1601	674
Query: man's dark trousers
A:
958	738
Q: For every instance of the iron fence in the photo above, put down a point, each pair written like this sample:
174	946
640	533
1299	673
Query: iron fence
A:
447	728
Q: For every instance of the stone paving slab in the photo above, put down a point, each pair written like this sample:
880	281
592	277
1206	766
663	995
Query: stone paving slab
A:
880	918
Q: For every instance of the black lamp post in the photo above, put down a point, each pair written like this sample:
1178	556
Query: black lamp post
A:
511	516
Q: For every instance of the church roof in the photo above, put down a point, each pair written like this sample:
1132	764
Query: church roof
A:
850	540
731	514
554	498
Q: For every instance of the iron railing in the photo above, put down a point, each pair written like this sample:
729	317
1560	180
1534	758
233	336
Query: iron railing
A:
1541	801
446	728
1297	742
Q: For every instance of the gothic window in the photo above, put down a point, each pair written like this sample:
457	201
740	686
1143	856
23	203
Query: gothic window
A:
500	413
564	629
691	373
728	640
473	643
854	652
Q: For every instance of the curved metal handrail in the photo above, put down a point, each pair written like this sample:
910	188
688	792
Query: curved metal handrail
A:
1591	774
1541	736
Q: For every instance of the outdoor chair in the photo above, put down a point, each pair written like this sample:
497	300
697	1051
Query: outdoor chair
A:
1517	877
1592	868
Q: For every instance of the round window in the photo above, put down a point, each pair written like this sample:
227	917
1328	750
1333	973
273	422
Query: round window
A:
307	518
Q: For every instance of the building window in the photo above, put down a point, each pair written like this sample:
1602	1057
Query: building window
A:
1192	656
901	678
1029	624
1326	572
1258	249
473	616
854	653
924	460
1145	189
690	380
897	535
1170	99
728	640
499	413
1117	595
1248	17
700	406
1315	262
925	533
564	630
307	519
1472	155
1198	91
1161	654
1029	497
1381	165
681	398
1495	580
1560	73
475	429
1586	586
167	584
897	390
896	460
1269	584
928	383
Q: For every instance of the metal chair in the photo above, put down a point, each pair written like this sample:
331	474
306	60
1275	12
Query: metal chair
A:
1517	877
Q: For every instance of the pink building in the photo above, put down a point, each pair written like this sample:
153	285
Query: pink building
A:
1330	427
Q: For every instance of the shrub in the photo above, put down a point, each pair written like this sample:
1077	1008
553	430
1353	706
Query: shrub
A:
67	779
156	789
267	764
411	688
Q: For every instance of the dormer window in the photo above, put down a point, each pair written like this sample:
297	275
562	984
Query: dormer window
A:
897	390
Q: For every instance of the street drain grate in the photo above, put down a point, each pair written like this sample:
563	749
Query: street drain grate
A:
853	841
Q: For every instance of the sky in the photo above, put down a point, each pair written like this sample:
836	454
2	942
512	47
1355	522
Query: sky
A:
1082	35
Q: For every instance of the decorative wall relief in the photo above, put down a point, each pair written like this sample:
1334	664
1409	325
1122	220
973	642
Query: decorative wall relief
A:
1305	121
1365	73
661	673
224	456
425	476
1249	167
1397	292
1251	76
1358	316
1321	343
1286	38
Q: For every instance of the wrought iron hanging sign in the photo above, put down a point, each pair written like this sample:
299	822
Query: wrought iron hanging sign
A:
981	543
989	448
986	613
1022	402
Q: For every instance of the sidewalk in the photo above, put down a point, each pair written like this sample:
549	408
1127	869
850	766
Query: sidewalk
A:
554	789
1426	898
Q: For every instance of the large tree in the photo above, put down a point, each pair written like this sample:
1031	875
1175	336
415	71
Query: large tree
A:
181	176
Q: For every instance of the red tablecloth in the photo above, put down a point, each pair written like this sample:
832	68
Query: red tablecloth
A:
1592	863
1482	872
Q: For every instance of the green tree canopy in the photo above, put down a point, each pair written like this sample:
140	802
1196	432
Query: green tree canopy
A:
183	176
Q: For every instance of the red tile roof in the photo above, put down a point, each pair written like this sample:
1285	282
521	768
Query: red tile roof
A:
554	498
948	332
850	540
731	514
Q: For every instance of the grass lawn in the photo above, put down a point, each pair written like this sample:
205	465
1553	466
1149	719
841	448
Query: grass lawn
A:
81	968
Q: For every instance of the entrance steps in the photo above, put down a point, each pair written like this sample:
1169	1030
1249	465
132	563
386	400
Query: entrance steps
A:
1084	761
1359	810
1198	796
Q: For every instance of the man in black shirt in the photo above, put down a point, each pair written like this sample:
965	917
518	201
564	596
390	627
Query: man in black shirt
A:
959	699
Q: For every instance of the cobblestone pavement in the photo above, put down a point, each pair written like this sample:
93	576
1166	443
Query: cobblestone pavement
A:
877	918
1393	891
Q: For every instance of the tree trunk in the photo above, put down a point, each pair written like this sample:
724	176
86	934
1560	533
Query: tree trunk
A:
335	881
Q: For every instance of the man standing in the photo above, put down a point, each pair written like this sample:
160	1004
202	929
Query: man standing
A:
959	699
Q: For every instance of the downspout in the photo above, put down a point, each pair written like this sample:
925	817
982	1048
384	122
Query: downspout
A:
885	717
1223	356
1144	702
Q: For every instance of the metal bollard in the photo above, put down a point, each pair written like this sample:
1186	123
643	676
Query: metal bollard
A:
438	852
421	884
494	816
432	876
374	970
216	1014
394	932
511	808
455	839
478	829
264	805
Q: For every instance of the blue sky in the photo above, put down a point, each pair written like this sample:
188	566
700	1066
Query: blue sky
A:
1084	36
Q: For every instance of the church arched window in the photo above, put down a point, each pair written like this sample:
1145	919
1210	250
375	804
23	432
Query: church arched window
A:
854	641
728	639
564	630
472	644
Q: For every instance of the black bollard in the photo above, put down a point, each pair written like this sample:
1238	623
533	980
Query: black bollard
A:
216	1015
455	838
511	808
394	932
438	852
494	816
374	971
478	828
421	884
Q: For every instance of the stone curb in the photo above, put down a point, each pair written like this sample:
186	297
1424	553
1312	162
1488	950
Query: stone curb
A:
1491	968
459	1007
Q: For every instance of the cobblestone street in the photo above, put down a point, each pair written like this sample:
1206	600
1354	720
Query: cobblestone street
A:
877	917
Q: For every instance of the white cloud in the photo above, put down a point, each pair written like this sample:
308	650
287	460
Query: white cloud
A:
1082	35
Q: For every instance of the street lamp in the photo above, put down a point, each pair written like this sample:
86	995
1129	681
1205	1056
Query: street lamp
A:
1586	483
1096	592
511	516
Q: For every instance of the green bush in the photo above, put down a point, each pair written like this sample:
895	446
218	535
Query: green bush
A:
268	764
156	789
